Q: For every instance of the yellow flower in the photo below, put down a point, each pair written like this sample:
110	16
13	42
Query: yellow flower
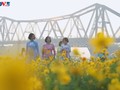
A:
76	52
92	58
75	70
57	67
51	58
114	75
117	53
101	41
46	71
35	84
66	59
17	75
100	76
64	79
114	85
64	53
91	71
118	69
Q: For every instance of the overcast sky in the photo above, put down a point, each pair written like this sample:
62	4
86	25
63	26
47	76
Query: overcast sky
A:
38	9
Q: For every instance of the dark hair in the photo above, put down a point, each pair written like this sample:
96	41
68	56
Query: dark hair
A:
47	38
60	43
30	35
66	39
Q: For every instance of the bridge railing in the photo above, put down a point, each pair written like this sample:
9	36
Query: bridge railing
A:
85	23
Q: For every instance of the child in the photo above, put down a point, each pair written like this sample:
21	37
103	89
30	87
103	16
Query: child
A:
48	49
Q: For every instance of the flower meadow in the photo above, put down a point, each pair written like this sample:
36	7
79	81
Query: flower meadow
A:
76	73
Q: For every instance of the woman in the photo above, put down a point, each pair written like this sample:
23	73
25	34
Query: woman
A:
32	49
48	49
65	48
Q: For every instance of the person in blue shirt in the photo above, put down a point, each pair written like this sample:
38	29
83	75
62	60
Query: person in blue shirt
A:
32	48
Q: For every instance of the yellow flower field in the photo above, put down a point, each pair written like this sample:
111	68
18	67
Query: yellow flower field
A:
96	73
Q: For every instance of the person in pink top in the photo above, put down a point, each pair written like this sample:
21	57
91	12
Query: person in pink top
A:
48	49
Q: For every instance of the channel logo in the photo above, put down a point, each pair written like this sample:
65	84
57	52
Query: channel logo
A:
6	4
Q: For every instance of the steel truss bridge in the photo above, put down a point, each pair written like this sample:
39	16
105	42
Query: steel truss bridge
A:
79	27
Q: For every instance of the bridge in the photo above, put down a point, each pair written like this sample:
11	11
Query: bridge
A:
79	27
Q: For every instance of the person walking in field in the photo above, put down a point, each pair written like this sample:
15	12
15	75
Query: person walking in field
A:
48	49
32	48
65	48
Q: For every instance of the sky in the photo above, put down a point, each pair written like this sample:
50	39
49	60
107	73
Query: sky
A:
38	9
